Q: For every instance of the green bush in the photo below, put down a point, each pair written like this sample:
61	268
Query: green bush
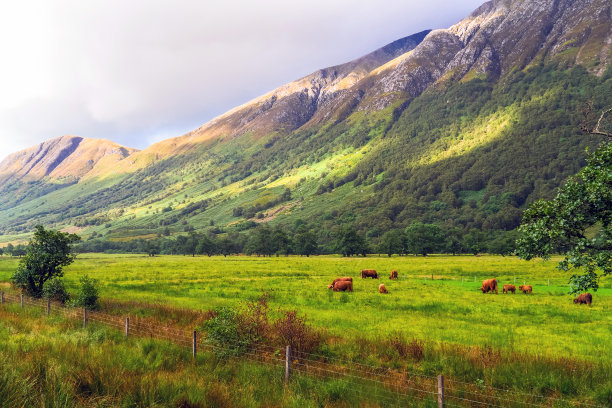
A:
87	293
223	332
54	289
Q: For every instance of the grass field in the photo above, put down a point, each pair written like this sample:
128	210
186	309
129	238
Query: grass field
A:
540	344
448	309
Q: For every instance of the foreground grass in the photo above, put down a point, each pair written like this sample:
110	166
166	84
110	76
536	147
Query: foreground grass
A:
52	362
448	309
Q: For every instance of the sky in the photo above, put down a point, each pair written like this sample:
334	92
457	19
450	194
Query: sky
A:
137	72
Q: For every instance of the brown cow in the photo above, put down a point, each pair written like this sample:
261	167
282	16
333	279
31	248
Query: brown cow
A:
526	288
393	274
346	278
584	298
509	288
382	288
489	285
369	273
343	286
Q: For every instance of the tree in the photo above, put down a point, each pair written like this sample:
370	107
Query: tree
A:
475	241
9	249
350	243
281	241
206	246
48	252
424	238
305	242
577	223
453	243
260	242
392	242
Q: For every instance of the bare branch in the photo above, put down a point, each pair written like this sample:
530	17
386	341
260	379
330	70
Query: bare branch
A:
596	130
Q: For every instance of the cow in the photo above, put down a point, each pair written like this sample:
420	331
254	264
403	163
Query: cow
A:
489	285
346	278
382	288
526	288
369	273
343	286
509	288
584	298
393	274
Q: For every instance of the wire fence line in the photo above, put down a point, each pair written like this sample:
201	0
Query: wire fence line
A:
390	387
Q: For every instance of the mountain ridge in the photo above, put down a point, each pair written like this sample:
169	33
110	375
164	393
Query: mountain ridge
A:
438	126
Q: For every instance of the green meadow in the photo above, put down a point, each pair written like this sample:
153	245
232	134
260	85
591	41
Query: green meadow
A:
436	298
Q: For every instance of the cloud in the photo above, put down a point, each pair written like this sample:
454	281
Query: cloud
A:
132	71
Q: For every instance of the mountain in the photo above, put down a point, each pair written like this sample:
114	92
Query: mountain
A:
65	157
462	127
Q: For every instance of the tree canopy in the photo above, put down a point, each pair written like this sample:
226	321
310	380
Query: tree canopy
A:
577	222
48	252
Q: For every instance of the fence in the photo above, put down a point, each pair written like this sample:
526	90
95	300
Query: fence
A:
388	387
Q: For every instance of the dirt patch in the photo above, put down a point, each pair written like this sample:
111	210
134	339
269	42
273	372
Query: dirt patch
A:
274	212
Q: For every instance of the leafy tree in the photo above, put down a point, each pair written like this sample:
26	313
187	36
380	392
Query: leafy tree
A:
475	241
453	243
503	244
392	242
305	242
9	249
281	241
577	222
351	243
1	251
424	238
206	246
260	242
47	254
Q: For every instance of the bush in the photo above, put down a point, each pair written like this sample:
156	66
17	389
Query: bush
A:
54	289
87	293
291	330
223	332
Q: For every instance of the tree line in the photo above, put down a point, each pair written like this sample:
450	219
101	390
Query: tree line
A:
418	239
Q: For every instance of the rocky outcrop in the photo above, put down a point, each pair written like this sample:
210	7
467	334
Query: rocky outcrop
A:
66	157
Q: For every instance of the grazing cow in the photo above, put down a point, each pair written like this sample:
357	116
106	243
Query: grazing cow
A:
343	286
369	273
509	288
489	285
382	288
393	274
526	288
346	278
584	298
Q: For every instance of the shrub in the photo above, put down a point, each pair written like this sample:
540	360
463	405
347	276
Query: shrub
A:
292	330
54	289
223	332
87	293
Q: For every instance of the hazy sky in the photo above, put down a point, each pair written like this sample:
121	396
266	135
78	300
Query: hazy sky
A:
137	72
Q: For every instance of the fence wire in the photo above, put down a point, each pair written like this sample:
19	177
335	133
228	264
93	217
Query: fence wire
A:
391	387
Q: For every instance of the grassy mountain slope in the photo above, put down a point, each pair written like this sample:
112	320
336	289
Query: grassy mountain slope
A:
461	127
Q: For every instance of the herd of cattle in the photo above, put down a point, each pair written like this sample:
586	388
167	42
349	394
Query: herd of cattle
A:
345	284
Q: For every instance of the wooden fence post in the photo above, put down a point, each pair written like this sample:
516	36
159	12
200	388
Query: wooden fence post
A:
440	391
127	327
287	363
195	343
84	317
21	300
48	307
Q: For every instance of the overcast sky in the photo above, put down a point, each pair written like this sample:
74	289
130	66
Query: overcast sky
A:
137	72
